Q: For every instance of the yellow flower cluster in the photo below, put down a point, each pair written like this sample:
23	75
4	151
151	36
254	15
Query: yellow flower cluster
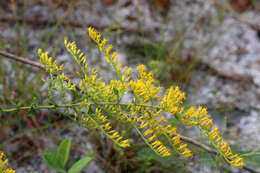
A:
96	37
143	88
201	119
181	147
105	126
172	99
91	82
100	121
50	65
161	126
4	164
78	56
152	126
111	57
150	134
146	112
92	89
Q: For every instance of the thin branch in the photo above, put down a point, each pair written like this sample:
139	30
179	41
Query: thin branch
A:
26	61
212	151
198	144
39	107
22	60
250	169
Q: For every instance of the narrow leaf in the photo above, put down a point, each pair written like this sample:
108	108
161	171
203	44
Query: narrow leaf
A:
76	167
52	162
116	92
64	152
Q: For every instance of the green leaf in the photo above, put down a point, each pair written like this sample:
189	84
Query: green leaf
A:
53	163
253	160
147	156
90	111
76	167
1	111
11	101
63	152
213	92
51	101
76	94
116	92
32	111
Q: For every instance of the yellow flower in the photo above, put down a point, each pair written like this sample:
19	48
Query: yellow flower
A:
105	126
160	148
9	171
238	162
214	135
186	153
148	132
171	100
94	35
176	139
4	164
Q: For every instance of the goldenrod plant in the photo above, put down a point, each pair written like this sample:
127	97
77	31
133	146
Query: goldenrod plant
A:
97	104
4	164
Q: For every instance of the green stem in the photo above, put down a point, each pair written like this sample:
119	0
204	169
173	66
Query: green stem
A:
40	107
74	104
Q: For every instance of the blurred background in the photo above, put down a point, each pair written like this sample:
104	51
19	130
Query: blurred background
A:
210	48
